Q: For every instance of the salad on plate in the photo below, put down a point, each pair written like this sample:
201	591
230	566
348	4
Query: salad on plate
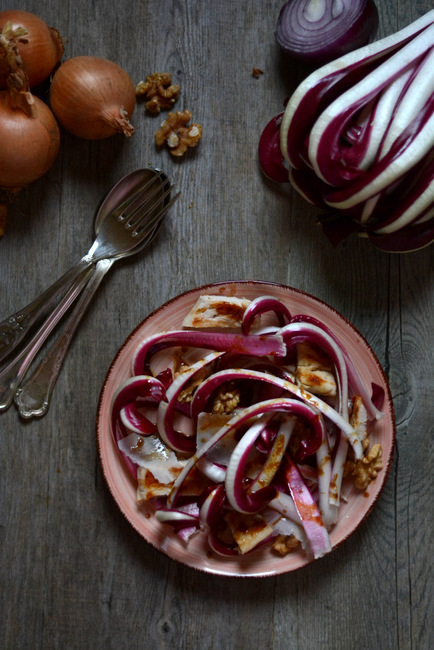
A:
249	425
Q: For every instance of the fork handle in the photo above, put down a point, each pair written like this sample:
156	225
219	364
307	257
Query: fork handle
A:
14	371
33	396
15	327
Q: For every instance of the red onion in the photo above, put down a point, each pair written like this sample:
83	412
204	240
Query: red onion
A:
318	31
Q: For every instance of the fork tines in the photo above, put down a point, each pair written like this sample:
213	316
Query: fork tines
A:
146	195
150	220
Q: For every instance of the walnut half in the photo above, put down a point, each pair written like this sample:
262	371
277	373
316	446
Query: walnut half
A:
226	402
284	544
159	91
366	469
177	134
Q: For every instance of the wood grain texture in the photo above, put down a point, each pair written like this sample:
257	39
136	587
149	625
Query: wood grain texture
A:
73	572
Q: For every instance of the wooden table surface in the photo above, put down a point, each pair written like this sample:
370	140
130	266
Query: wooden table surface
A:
74	573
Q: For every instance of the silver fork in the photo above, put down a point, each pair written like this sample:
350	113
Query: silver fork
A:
33	397
14	328
124	233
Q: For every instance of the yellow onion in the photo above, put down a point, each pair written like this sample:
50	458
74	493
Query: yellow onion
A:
29	142
93	98
40	49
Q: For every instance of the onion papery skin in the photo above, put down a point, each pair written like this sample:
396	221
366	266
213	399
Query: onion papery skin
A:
317	39
93	98
41	50
29	144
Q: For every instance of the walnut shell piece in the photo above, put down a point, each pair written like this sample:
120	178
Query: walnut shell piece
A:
178	136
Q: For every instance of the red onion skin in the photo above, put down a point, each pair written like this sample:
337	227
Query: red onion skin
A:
354	28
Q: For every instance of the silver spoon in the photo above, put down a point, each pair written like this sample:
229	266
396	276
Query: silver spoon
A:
130	220
33	397
14	328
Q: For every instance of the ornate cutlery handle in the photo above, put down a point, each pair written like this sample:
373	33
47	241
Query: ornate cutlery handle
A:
13	373
33	396
14	328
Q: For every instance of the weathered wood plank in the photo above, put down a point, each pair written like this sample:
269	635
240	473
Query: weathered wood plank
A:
74	574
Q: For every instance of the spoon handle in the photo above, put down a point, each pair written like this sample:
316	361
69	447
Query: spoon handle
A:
33	397
14	371
15	327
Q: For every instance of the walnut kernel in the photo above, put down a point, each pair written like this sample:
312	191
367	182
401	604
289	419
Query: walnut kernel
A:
366	468
177	134
284	544
226	402
159	91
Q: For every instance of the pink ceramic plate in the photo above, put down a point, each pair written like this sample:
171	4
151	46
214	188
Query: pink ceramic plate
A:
197	553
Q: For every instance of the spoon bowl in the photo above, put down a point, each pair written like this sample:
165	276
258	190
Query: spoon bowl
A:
14	328
126	222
